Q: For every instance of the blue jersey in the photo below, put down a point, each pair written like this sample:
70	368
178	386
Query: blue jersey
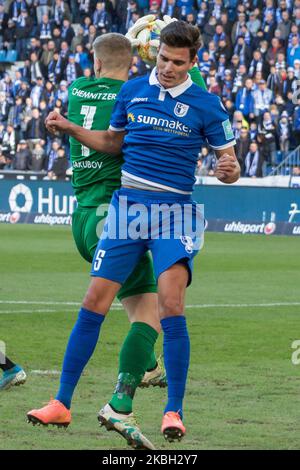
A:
166	129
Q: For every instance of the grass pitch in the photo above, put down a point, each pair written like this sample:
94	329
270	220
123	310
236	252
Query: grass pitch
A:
243	308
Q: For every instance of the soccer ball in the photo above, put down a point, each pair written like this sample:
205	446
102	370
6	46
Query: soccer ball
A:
144	36
149	41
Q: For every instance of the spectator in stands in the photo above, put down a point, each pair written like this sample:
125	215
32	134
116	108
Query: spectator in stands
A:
257	64
253	24
15	9
42	8
60	166
274	81
84	8
61	12
170	8
49	95
244	101
55	145
214	86
296	122
208	160
3	160
3	23
27	114
24	90
284	133
243	51
293	52
290	84
37	92
73	69
82	58
253	163
101	19
35	68
67	32
47	56
22	157
9	35
90	38
15	117
38	157
45	30
62	92
36	129
267	138
284	26
34	45
262	99
77	39
4	108
44	110
23	29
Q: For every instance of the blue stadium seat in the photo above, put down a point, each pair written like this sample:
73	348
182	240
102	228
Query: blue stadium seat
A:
2	56
278	157
11	56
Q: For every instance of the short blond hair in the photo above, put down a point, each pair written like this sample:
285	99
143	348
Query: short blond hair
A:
114	51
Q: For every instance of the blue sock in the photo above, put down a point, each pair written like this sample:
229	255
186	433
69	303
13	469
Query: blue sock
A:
177	359
80	348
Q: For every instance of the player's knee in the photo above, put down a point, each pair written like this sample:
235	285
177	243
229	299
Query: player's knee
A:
170	306
95	304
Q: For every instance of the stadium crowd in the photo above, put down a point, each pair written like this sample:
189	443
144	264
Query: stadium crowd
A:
250	57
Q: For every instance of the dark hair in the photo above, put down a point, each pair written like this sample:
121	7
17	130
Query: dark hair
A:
181	34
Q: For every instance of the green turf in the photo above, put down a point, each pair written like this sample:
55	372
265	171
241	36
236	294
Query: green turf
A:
243	391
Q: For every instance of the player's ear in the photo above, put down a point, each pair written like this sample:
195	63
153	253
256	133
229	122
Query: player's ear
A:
98	64
193	62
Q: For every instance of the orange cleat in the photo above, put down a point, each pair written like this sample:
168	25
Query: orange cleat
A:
172	427
54	413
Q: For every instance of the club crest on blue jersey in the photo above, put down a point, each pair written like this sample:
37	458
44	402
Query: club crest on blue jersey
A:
188	243
181	109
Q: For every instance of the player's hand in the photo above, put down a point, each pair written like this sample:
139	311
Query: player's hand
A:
55	123
138	26
228	169
144	22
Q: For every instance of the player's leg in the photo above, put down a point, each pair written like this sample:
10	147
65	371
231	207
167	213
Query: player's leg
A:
172	285
173	261
80	347
138	296
13	374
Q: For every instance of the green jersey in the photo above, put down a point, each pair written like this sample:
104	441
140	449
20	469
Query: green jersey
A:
91	102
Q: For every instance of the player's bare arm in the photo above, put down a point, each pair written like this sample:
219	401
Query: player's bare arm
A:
102	141
228	169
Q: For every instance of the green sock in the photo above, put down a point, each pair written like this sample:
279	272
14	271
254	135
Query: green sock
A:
134	360
152	362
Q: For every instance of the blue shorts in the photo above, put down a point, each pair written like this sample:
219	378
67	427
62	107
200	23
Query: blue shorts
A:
170	225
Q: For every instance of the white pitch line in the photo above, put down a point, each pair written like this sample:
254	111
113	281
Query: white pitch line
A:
38	302
45	372
119	306
271	304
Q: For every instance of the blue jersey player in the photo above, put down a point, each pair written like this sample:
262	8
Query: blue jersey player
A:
160	122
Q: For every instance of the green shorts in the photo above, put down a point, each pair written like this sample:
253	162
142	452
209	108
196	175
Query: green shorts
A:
84	227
